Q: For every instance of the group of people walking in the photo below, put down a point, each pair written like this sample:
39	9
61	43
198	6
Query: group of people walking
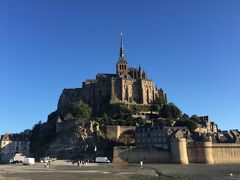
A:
81	163
47	164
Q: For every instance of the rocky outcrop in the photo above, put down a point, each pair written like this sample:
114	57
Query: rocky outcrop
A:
75	141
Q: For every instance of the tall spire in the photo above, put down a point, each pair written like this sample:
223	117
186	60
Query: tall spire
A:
121	47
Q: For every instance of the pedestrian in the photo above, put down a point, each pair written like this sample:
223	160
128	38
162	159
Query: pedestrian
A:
46	165
141	163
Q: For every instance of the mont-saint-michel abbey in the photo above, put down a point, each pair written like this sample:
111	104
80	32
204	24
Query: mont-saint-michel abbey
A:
128	85
81	100
124	118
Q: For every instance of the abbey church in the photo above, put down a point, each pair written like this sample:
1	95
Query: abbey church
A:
128	85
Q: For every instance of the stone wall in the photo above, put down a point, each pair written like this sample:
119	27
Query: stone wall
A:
113	132
204	152
226	153
107	88
215	153
69	96
123	154
200	153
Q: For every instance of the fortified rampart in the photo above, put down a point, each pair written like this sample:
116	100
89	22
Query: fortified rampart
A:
200	153
181	152
226	153
123	154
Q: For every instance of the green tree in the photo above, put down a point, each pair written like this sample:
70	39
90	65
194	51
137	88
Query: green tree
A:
169	122
160	101
191	125
185	117
105	118
78	110
170	111
34	135
42	135
195	118
133	121
118	111
155	107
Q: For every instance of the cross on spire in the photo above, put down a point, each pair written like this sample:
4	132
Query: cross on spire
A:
121	47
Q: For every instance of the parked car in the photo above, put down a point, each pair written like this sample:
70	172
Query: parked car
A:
47	159
12	161
102	160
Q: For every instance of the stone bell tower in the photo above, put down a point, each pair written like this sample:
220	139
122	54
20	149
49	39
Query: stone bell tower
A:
122	64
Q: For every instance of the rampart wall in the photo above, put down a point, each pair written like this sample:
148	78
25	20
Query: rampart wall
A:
133	154
180	152
226	153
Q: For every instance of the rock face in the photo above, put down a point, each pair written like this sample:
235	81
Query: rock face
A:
68	146
75	142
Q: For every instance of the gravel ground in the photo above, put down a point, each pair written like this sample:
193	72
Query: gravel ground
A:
61	171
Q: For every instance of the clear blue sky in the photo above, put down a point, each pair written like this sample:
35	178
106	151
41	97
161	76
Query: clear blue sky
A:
189	48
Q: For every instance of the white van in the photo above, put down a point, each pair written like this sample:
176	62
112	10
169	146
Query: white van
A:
18	158
102	160
28	161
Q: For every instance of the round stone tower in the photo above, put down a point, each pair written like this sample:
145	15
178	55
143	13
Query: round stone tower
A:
204	151
179	151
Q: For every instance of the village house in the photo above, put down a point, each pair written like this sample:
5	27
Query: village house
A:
12	144
159	136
